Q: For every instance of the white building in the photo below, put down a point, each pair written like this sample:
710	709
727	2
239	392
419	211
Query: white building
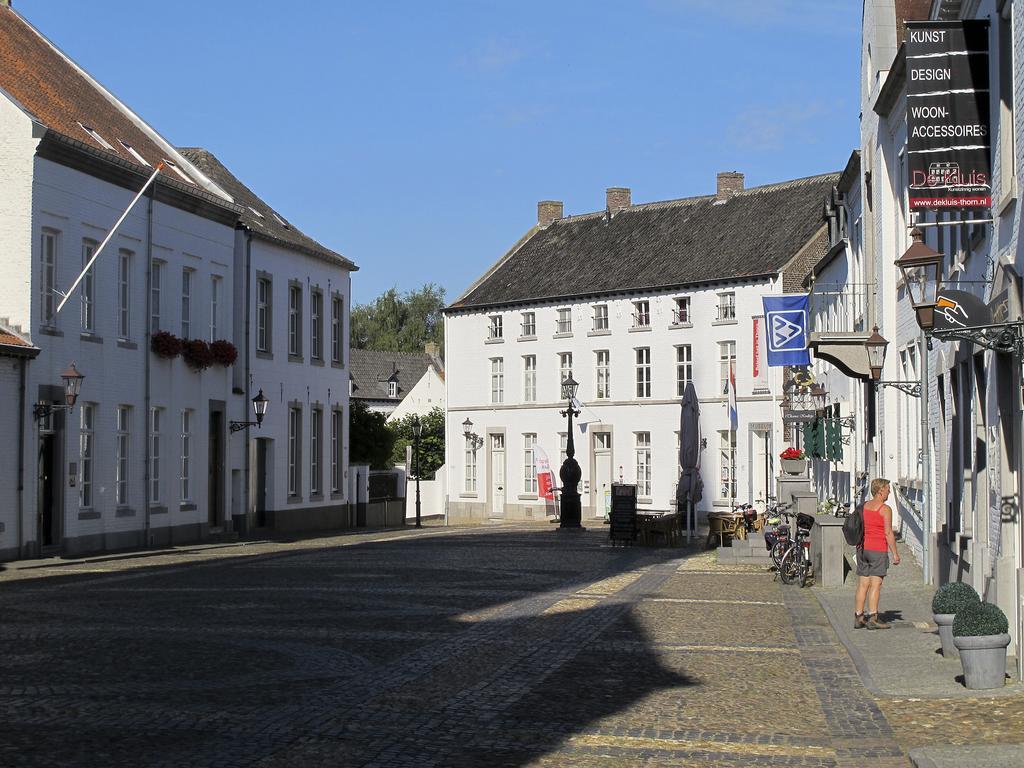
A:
398	382
634	301
957	482
145	457
296	351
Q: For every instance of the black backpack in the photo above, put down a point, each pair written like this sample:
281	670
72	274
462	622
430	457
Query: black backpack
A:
853	526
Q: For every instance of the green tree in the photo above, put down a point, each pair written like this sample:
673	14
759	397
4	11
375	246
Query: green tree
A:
370	440
396	322
431	442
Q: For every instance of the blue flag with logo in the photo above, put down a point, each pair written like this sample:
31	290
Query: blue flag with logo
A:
786	329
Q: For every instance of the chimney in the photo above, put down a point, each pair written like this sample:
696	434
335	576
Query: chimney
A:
616	198
730	184
430	348
548	211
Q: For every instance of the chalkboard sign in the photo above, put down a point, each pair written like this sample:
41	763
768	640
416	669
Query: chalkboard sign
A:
622	520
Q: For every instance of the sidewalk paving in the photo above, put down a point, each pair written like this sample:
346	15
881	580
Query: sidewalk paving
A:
905	662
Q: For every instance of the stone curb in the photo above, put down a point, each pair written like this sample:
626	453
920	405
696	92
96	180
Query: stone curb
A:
988	756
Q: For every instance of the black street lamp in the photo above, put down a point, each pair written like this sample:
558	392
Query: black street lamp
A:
259	408
570	512
417	430
921	268
72	387
473	437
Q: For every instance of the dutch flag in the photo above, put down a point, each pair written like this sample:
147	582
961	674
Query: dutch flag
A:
730	390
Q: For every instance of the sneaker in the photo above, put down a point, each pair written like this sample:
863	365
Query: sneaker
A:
874	622
859	621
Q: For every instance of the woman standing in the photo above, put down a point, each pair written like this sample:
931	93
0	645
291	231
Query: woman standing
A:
873	555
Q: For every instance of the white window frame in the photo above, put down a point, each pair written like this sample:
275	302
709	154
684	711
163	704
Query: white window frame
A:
564	322
316	425
603	374
294	452
87	453
642	314
88	287
727	484
529	378
470	465
529	324
727	307
726	360
263	309
155	278
497	380
294	320
215	284
643	464
155	416
337	329
337	425
564	370
643	373
316	327
122	448
392	388
684	368
186	455
681	311
494	327
49	244
529	463
186	302
600	317
124	293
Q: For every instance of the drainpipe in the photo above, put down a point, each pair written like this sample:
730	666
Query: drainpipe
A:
147	324
246	459
21	454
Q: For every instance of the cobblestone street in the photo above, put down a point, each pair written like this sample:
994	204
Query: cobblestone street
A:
446	647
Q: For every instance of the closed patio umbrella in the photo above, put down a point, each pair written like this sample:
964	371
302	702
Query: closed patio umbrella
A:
691	488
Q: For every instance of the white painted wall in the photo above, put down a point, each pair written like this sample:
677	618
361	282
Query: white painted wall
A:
468	377
306	381
428	393
17	147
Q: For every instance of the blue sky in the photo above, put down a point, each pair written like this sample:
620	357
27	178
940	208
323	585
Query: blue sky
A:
417	137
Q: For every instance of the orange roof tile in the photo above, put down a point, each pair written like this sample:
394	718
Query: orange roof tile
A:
54	91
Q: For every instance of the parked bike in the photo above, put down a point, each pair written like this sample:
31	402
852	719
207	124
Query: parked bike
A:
796	562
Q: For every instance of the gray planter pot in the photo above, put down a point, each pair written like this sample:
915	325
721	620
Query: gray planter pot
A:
945	622
794	466
983	659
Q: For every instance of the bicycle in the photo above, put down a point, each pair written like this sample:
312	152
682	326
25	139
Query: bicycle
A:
796	562
777	537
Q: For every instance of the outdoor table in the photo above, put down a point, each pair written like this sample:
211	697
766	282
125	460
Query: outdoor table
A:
651	524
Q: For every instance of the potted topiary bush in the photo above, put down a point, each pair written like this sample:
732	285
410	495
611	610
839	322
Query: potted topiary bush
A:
949	599
981	634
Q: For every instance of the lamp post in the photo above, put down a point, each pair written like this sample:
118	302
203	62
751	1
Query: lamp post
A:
473	437
875	346
72	387
922	274
417	429
259	409
570	512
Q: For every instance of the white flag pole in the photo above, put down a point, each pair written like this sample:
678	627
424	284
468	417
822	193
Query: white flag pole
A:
110	234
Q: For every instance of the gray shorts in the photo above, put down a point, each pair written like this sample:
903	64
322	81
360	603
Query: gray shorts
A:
871	563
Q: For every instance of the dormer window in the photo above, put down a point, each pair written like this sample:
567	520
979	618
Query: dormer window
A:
641	314
99	139
681	312
392	389
726	307
280	221
494	330
177	169
133	153
255	212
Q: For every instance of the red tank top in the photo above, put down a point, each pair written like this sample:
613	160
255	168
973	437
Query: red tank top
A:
874	531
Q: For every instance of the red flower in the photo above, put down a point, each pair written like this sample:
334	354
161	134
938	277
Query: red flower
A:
223	352
791	453
197	354
165	345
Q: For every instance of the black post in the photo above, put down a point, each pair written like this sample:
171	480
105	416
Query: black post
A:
416	450
570	474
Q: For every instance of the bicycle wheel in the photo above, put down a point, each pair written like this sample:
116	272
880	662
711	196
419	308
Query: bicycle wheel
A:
789	568
805	571
777	552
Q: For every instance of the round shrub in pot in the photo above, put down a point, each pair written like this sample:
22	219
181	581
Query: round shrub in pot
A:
948	600
981	634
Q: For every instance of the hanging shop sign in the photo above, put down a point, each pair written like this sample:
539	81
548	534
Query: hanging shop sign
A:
786	333
948	131
960	309
760	369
